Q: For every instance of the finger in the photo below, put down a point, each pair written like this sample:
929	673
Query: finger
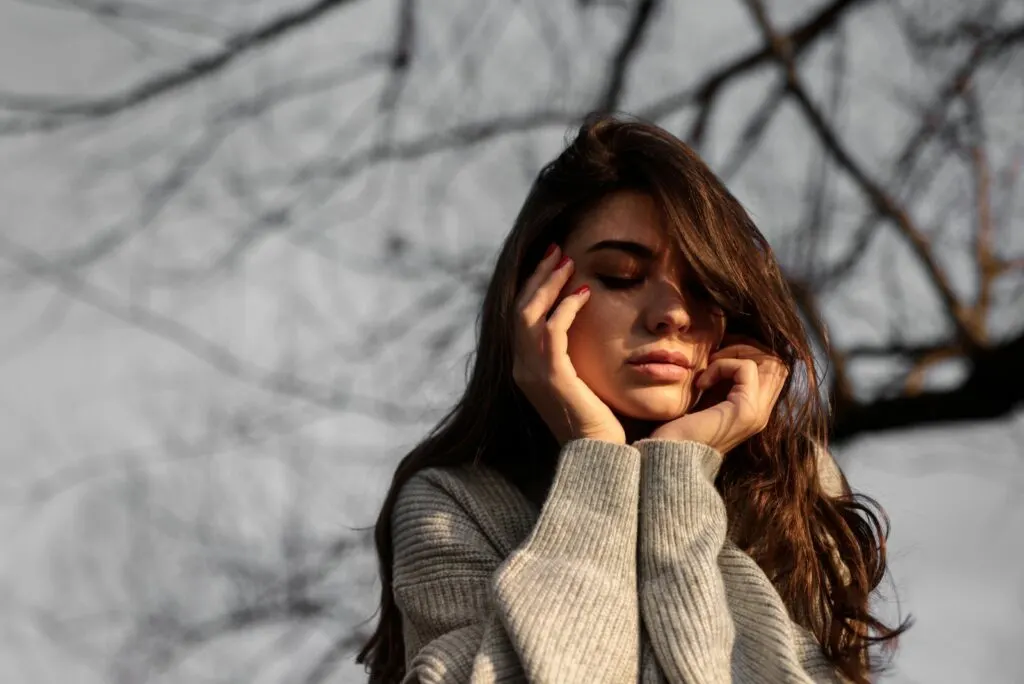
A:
562	317
739	371
739	351
775	377
538	306
733	338
540	274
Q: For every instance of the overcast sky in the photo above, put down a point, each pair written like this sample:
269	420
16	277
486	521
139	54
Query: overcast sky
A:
78	387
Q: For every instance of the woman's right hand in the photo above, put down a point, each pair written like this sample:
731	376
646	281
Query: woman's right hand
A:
542	368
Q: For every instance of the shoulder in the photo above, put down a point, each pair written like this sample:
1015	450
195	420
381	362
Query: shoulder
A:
471	498
468	486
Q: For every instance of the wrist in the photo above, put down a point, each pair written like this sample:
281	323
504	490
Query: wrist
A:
613	437
676	436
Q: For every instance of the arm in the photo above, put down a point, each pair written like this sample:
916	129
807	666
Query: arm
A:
710	612
561	607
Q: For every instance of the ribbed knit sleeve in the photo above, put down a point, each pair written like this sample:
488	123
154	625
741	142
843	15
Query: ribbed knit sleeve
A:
709	611
561	607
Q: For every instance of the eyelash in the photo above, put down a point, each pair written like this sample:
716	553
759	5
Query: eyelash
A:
613	283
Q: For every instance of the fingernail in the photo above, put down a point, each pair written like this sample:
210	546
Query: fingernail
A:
581	289
551	250
562	262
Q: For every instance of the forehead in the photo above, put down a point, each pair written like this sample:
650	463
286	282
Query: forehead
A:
623	215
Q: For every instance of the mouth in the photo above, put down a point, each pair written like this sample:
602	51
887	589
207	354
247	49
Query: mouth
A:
668	372
662	365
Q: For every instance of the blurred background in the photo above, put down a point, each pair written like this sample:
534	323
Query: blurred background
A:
243	244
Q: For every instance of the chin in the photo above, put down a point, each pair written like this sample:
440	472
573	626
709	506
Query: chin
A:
658	404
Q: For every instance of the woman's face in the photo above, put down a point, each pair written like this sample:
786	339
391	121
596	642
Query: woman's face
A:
642	299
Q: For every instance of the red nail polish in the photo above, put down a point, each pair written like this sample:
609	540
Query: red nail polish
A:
562	262
551	250
581	289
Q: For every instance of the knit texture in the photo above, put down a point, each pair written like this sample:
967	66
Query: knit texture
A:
624	575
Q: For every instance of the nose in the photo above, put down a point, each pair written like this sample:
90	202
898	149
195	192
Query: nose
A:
667	312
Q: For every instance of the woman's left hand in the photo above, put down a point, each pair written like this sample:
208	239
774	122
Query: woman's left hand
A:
757	378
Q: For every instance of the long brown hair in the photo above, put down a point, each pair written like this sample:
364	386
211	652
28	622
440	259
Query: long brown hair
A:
825	554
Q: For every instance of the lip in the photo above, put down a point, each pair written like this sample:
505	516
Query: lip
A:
661	357
662	364
666	372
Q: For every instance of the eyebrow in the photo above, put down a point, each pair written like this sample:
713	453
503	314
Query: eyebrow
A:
634	248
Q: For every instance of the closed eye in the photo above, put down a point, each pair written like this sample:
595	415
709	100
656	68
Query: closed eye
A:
613	283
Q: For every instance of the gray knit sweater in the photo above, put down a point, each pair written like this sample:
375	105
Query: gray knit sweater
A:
624	575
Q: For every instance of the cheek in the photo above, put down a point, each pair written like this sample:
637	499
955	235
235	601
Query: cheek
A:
708	340
704	348
593	334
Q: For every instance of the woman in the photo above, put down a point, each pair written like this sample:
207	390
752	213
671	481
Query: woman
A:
634	486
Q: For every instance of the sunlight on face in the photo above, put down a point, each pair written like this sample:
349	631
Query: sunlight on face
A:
640	301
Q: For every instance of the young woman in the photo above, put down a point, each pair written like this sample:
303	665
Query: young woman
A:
635	485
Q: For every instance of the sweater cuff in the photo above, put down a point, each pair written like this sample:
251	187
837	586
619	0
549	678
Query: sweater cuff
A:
706	457
593	499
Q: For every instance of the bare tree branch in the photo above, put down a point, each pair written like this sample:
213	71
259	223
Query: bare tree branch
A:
161	18
979	396
326	395
705	93
985	395
881	199
932	122
50	113
289	188
631	43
